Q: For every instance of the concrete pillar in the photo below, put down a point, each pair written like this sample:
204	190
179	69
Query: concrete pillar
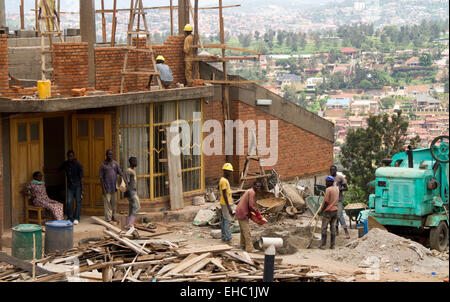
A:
87	29
183	15
2	14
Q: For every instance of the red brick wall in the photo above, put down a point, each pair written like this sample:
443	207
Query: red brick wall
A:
109	64
213	164
70	66
4	78
300	153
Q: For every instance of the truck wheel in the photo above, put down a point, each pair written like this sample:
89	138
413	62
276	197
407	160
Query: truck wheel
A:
439	237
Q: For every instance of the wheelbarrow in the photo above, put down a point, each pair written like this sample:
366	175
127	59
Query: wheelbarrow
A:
352	210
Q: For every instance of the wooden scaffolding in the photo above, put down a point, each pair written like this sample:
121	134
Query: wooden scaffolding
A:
49	27
137	9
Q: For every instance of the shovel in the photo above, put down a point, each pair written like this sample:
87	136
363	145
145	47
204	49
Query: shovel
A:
314	236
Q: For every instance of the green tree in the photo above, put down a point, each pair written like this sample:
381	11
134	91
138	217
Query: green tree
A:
365	84
425	60
388	103
365	148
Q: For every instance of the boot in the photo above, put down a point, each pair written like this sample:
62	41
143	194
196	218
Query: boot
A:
332	241
322	246
347	235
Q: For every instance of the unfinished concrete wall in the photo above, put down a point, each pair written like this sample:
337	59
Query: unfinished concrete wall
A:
24	55
70	66
109	64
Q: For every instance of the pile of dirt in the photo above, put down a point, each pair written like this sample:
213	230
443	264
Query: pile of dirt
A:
381	249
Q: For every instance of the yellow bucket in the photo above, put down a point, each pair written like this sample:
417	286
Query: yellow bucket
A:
44	89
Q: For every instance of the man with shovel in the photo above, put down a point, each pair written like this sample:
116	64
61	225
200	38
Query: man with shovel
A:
329	210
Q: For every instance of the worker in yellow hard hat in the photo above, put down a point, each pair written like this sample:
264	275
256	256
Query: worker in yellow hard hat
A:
188	53
165	73
226	201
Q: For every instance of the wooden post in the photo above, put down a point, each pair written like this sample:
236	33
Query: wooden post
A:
36	15
59	13
171	17
114	24
22	15
103	21
196	39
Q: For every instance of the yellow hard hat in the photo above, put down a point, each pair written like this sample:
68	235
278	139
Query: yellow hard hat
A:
227	167
160	58
188	27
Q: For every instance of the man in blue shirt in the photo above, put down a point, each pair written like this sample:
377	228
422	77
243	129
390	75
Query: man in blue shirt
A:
165	73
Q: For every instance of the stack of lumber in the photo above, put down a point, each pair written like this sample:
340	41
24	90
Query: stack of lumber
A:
130	257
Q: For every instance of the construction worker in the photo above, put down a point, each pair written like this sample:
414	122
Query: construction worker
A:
246	205
52	9
226	201
165	72
342	185
188	53
329	210
131	194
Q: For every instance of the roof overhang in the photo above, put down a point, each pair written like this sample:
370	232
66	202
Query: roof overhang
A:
103	101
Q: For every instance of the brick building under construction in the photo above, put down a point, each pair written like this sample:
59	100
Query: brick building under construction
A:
35	134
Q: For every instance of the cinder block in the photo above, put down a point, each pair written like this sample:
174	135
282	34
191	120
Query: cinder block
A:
25	33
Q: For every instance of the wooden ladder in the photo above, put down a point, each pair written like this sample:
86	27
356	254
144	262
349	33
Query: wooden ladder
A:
49	27
137	8
255	157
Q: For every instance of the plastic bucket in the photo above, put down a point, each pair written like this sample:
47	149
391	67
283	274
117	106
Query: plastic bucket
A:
58	236
44	89
22	241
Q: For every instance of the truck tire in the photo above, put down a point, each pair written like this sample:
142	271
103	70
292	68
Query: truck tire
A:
439	237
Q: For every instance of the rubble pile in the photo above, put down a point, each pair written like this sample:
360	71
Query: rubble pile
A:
387	250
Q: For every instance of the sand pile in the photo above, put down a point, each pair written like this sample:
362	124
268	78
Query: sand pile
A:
382	249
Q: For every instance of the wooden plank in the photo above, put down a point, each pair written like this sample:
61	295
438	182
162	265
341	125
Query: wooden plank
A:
199	265
239	257
186	264
127	243
205	249
106	224
73	271
166	268
175	175
144	264
23	264
231	82
217	262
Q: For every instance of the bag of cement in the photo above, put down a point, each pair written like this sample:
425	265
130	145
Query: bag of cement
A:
291	192
203	217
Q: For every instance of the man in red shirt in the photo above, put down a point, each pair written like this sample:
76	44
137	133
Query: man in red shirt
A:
329	210
246	205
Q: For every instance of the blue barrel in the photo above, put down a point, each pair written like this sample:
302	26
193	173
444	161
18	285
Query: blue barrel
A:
58	236
25	237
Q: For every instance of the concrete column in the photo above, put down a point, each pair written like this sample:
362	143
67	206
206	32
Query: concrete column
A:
87	29
2	14
183	15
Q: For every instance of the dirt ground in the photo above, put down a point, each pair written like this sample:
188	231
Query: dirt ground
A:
322	259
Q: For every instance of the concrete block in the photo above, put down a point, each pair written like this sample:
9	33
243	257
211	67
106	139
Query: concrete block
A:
25	33
70	32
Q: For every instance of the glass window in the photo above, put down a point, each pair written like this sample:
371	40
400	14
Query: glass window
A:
99	128
83	127
22	133
34	132
134	115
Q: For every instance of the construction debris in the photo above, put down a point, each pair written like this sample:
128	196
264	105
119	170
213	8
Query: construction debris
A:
118	258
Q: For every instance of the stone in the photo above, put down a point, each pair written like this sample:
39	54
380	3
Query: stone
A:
216	234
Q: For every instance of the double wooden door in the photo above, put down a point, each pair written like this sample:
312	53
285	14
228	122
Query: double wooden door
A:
91	137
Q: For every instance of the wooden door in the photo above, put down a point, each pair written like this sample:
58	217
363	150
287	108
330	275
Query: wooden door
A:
91	137
27	156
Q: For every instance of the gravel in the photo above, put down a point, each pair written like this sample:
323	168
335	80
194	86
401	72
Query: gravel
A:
382	249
